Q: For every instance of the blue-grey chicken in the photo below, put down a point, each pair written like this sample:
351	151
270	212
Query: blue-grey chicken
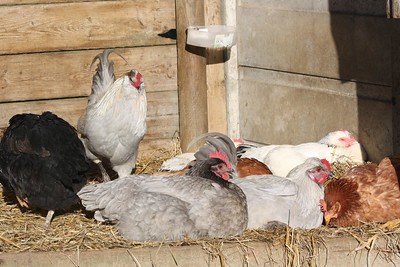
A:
148	207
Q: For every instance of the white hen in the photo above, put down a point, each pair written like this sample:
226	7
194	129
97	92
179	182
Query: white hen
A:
293	200
282	158
115	118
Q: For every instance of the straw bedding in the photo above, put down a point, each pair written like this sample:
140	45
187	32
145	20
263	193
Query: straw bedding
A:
23	230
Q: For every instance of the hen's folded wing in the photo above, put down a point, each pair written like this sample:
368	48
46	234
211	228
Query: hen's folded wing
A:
267	185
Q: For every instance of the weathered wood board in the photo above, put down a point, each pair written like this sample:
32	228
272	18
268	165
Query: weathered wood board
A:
345	251
47	47
65	74
84	25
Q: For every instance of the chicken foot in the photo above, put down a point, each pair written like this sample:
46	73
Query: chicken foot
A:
49	217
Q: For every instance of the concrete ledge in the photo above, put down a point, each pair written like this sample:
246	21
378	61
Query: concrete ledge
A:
334	252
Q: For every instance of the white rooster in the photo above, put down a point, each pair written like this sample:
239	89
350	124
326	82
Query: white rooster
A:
114	121
293	200
281	159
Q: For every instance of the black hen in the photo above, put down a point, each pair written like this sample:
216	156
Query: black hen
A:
43	162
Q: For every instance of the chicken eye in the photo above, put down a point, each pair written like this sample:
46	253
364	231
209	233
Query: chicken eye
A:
220	166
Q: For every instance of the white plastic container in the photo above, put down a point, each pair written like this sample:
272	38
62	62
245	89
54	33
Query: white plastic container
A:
214	36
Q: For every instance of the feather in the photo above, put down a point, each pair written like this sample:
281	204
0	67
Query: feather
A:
365	193
146	207
114	122
216	145
215	141
292	200
104	77
42	161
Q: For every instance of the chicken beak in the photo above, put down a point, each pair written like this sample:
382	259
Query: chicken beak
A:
327	218
232	173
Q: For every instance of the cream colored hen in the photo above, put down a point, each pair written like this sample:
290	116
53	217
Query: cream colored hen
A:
114	121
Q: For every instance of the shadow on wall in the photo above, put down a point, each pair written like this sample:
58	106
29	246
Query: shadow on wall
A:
364	39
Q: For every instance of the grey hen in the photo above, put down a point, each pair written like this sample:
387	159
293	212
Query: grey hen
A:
146	207
214	141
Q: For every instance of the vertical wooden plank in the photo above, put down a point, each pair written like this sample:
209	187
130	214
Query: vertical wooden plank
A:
393	9
216	96
231	73
192	87
395	27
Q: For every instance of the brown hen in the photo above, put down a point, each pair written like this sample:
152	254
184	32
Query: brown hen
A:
365	193
249	166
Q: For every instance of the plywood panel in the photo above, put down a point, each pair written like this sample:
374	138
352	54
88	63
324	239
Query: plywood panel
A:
281	108
84	25
339	46
359	7
68	74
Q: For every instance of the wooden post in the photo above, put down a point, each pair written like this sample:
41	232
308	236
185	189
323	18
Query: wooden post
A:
192	86
395	28
393	9
216	100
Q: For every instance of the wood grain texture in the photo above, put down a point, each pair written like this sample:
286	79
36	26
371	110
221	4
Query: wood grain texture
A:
159	104
192	83
216	96
161	128
84	25
24	2
68	74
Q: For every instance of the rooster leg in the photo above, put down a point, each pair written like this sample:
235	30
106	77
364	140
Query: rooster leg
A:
49	216
106	177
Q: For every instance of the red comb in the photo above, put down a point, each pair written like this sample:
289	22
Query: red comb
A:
138	80
221	155
326	163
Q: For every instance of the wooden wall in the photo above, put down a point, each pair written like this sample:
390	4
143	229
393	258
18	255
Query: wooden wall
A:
310	67
46	48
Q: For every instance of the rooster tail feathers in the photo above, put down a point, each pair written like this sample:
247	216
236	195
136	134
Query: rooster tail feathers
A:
215	142
104	76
